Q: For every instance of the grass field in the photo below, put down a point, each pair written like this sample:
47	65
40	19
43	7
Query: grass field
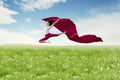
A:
28	62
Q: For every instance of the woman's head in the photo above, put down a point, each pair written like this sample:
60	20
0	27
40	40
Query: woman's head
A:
49	22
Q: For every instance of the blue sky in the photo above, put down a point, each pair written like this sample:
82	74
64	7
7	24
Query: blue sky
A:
20	20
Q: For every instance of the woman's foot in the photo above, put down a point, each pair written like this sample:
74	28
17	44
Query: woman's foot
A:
45	42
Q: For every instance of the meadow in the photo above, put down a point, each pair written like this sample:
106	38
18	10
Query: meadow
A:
33	62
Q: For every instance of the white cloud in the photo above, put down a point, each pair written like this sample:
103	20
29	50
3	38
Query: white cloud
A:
31	5
28	20
35	31
1	3
6	14
7	37
105	25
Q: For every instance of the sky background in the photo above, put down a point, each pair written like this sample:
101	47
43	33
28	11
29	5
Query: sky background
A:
20	20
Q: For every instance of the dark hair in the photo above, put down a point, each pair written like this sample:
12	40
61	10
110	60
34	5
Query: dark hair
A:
50	22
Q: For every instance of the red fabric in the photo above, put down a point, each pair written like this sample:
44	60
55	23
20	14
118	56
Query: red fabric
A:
66	25
47	36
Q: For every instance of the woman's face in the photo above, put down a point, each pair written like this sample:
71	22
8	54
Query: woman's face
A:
47	23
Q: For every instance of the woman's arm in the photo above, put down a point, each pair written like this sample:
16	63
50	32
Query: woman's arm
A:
48	29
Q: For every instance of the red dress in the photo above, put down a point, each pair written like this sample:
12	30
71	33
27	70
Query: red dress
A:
66	25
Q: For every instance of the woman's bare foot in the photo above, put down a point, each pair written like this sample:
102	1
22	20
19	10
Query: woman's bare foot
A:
45	42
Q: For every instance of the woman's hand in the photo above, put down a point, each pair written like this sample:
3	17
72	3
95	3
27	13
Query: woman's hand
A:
65	32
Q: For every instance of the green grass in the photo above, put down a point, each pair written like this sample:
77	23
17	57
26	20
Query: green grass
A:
28	62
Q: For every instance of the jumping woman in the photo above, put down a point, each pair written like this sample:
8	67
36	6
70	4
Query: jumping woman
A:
66	26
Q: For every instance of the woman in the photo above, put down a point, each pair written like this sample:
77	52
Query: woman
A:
66	26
